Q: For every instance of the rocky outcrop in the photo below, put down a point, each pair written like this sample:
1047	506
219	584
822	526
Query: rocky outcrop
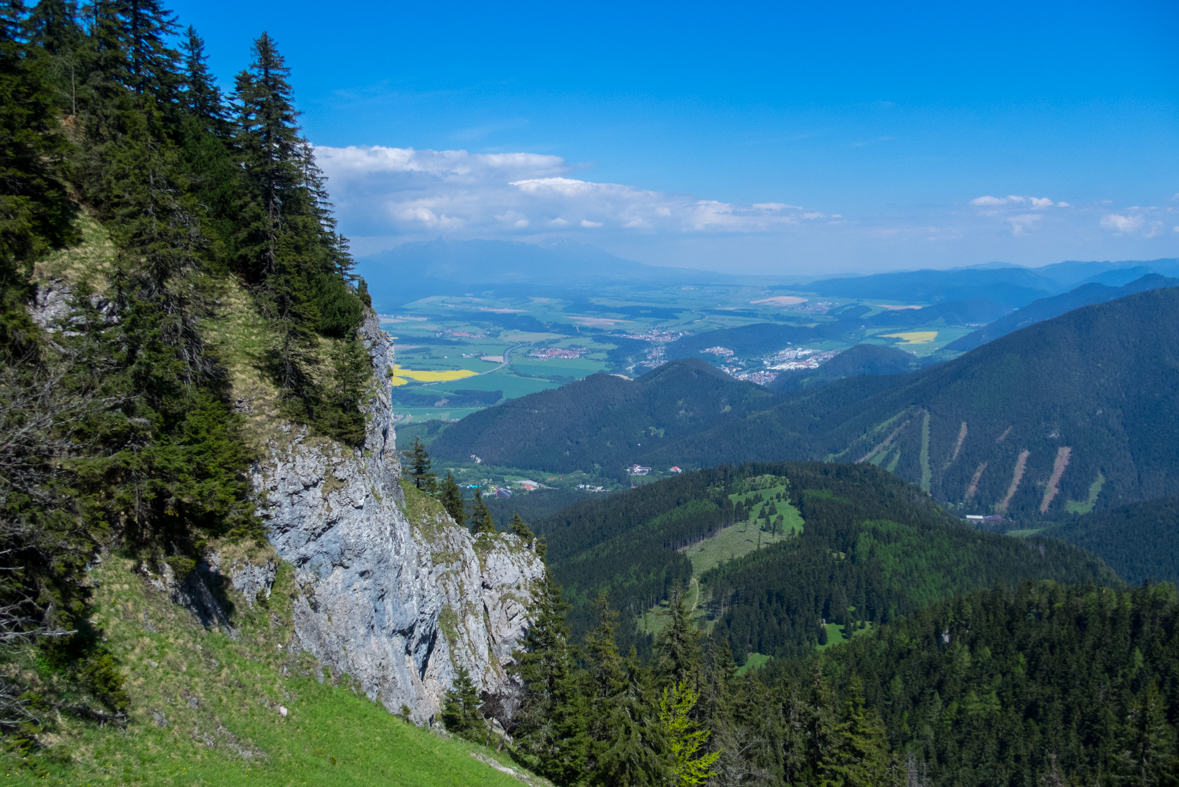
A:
397	604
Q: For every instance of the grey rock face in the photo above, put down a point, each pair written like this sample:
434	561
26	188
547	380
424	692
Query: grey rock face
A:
397	605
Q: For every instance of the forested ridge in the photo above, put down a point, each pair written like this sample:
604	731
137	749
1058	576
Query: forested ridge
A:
1137	541
136	204
599	423
872	548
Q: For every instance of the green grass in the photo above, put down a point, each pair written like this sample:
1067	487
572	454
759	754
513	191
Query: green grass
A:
737	541
754	661
1029	531
923	457
654	620
837	635
1085	506
205	708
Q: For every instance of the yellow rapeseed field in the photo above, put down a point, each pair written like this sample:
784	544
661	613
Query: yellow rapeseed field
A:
401	375
913	337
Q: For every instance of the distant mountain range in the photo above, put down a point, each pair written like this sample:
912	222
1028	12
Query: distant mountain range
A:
411	271
446	267
1079	409
1047	308
1010	286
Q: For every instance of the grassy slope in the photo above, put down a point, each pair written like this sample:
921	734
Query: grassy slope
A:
205	707
742	538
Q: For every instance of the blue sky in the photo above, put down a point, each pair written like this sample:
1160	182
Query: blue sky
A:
753	138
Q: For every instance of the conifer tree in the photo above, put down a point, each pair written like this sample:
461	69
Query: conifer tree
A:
859	755
419	467
1147	753
151	63
201	97
520	528
54	31
35	210
480	516
625	738
687	765
551	722
269	145
678	644
460	708
452	500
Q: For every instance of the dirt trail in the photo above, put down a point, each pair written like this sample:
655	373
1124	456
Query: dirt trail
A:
1020	465
1003	436
973	488
1062	457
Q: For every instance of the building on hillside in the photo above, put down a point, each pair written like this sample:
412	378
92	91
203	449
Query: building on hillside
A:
639	470
676	470
502	494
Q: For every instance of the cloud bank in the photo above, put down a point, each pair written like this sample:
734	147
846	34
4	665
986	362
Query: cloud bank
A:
387	195
414	192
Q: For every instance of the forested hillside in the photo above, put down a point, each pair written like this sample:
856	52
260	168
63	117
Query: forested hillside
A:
1138	541
1073	412
599	423
1067	414
153	234
871	548
1042	684
1047	308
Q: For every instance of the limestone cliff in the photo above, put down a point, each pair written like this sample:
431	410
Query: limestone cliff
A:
395	595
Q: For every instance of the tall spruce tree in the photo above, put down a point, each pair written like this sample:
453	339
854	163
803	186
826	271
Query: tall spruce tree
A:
625	742
35	210
678	645
201	97
480	515
859	755
552	718
419	466
54	31
452	500
460	708
518	527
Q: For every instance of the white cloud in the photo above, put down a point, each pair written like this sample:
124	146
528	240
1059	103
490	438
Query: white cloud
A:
1024	222
1036	203
402	191
1122	224
514	219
